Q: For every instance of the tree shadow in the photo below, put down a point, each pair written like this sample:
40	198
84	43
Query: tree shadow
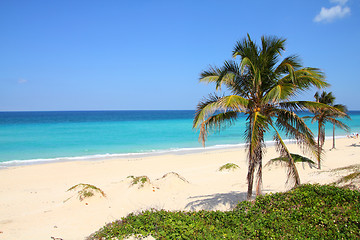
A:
214	201
354	145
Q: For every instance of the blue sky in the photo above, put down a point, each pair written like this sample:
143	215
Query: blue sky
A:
132	55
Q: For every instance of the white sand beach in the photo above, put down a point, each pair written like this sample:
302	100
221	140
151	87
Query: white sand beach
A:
35	204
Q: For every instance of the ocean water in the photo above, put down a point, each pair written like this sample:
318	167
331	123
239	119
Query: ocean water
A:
31	137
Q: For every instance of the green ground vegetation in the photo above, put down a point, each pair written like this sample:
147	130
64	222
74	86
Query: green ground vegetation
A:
86	190
139	180
229	166
305	212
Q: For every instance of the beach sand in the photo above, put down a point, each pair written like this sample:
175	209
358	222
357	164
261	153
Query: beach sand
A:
35	203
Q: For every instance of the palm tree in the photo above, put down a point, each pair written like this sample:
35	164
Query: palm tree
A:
323	116
260	87
341	108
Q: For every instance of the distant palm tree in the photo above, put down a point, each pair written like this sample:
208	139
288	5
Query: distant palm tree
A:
323	116
261	87
344	109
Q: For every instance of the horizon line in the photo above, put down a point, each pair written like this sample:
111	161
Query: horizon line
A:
114	110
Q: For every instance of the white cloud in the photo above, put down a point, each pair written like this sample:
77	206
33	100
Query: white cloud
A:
21	81
330	14
341	2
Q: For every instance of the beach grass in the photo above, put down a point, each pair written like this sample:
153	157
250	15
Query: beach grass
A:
229	166
178	176
351	180
86	190
305	212
140	181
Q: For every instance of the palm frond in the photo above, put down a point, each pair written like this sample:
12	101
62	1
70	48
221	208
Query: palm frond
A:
214	75
343	109
234	103
291	167
211	75
205	108
297	159
233	79
246	64
310	106
279	92
339	124
292	61
245	48
228	75
295	128
272	45
215	122
305	78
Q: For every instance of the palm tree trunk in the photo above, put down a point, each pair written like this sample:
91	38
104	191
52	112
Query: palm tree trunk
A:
333	147
294	170
252	161
255	159
318	145
250	179
259	155
259	178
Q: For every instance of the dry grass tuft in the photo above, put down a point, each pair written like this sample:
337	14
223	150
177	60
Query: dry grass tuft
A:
140	181
175	174
86	190
351	180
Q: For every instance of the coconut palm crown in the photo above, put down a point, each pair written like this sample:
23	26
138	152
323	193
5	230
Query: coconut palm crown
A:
260	86
322	116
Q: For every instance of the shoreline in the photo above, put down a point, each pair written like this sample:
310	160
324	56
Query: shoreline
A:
118	156
111	156
35	203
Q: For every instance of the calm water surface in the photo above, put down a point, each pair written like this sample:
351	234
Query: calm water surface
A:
44	136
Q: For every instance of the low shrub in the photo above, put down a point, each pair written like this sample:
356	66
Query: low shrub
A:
305	212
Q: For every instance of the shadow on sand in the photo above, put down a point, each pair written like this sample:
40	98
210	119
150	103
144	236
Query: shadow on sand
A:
213	201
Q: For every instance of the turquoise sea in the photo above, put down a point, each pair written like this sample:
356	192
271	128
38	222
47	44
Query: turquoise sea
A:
34	137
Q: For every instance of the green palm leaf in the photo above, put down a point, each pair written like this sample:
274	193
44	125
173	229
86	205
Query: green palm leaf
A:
291	168
233	102
297	159
279	92
206	108
215	122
